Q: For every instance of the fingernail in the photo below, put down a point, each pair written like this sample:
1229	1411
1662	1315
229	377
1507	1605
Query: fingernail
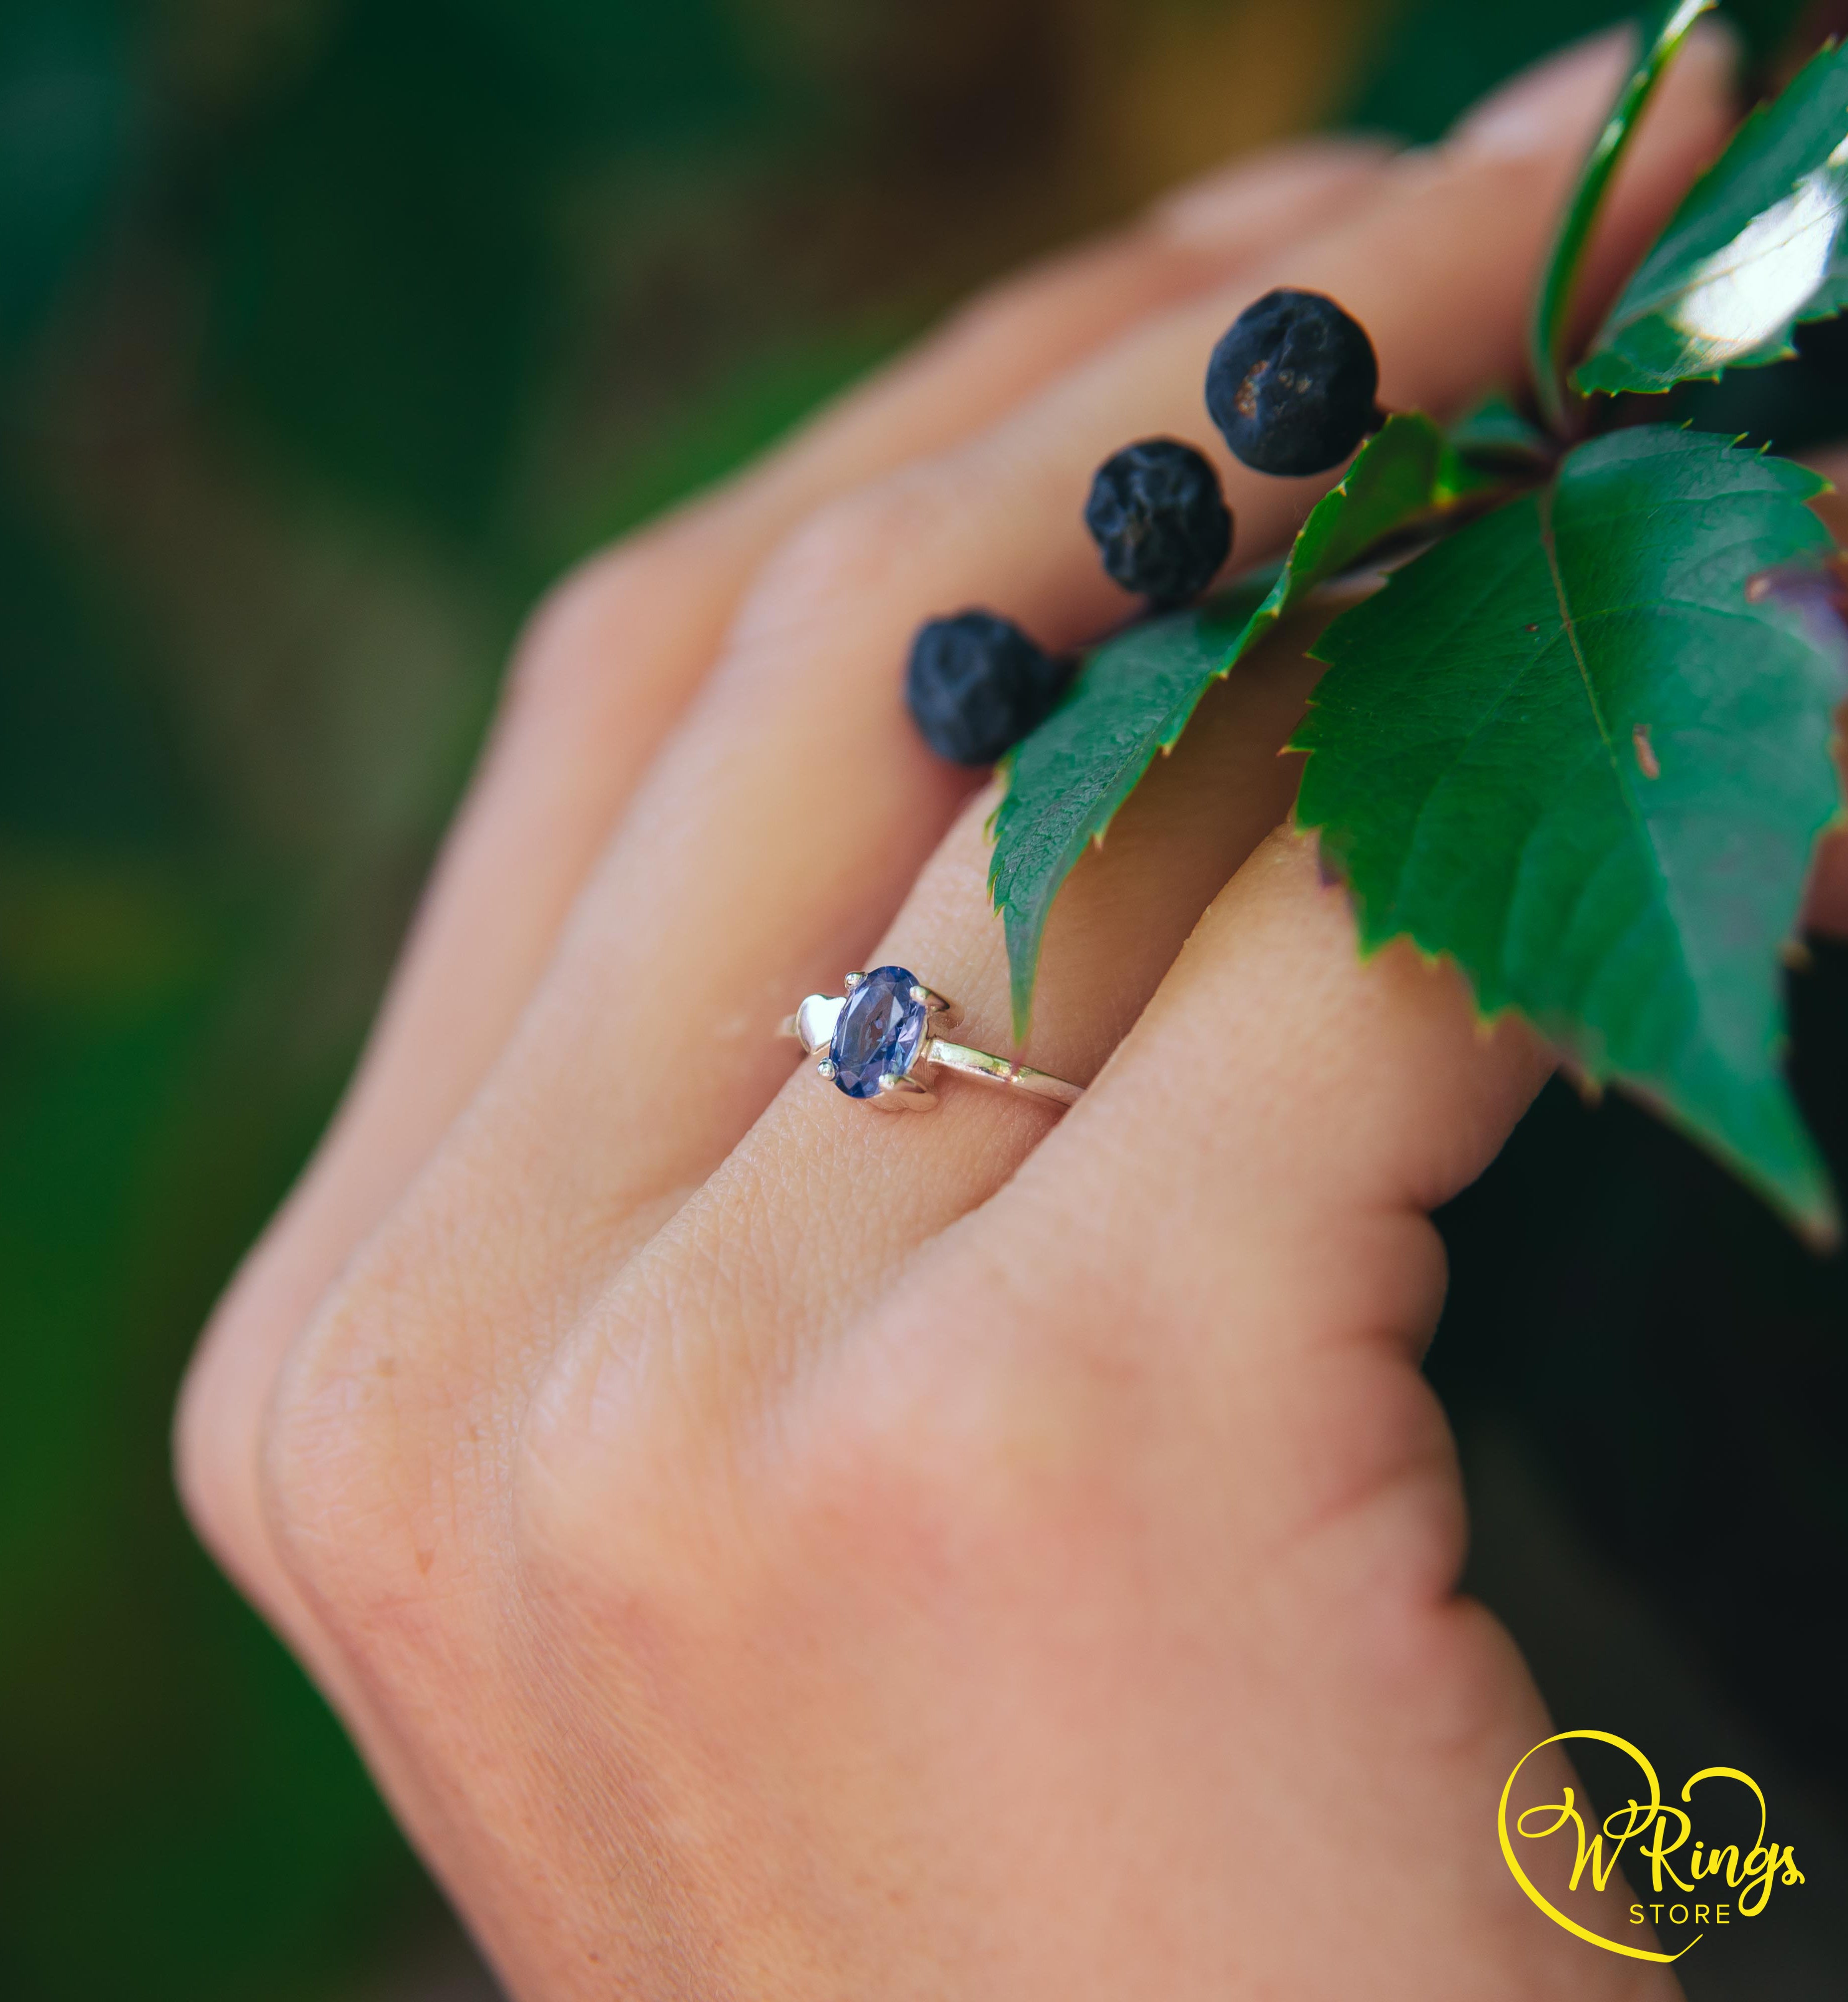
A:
1543	107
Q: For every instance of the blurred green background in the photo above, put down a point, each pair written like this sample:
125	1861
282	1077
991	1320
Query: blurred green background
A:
329	333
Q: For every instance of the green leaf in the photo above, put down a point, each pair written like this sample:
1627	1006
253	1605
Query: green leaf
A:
1662	36
1578	749
1755	247
1135	694
1494	435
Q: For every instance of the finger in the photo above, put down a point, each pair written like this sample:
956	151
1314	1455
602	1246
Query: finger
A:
576	732
1279	1091
1009	341
811	1214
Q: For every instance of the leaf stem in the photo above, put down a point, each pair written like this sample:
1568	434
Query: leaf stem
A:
1552	323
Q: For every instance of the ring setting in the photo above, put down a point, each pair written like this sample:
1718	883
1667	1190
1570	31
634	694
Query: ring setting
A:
882	1042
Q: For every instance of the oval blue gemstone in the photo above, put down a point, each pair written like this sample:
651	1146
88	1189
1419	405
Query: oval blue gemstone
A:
881	1029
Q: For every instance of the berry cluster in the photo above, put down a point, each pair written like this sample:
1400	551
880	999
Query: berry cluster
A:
1290	386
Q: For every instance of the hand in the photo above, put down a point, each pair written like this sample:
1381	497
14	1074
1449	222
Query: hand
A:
765	1549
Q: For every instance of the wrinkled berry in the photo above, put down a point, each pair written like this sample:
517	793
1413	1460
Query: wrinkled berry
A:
1291	384
976	684
1156	513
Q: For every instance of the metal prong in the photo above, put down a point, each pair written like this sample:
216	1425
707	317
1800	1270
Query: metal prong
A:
903	1095
824	1068
930	998
854	979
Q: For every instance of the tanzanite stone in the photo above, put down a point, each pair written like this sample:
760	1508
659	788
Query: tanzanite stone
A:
881	1030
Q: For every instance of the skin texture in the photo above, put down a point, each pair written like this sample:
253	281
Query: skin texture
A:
768	1549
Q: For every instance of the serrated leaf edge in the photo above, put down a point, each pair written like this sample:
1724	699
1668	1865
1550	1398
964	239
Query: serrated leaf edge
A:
1819	1224
1451	481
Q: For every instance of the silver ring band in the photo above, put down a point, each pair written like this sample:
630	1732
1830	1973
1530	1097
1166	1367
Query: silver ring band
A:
873	1042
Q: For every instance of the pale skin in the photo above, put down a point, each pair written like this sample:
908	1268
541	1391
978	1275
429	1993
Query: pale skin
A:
768	1549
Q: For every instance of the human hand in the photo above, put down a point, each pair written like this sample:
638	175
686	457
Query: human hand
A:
767	1549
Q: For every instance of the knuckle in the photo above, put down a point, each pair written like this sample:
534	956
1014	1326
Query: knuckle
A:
656	1522
215	1429
862	544
613	1462
991	1454
600	614
561	633
366	1480
633	1543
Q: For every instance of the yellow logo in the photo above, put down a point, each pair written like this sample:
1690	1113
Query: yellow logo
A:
1718	1883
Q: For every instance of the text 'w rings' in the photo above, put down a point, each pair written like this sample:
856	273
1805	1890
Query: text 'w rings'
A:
882	1042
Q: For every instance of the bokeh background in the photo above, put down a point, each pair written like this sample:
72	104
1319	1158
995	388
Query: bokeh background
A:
330	331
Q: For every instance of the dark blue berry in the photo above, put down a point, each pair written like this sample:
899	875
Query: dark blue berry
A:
1156	513
976	684
1292	384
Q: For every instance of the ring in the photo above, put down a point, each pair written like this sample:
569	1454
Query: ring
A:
874	1039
